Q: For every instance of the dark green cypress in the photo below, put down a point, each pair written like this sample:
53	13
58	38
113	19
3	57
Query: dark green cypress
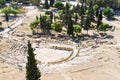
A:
82	11
37	18
66	13
99	21
97	12
46	4
87	23
7	17
76	18
82	21
70	25
51	16
92	15
32	72
100	15
51	2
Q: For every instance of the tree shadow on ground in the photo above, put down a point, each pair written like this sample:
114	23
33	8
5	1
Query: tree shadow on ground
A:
1	29
111	19
106	36
85	37
11	18
44	34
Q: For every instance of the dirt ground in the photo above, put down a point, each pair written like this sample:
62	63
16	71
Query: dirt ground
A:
104	65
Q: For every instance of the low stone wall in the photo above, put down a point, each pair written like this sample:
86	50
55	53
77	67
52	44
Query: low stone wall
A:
62	48
62	60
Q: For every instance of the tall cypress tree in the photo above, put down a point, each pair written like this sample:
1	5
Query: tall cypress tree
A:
66	11
92	15
70	25
82	10
32	72
97	12
82	21
76	17
46	4
51	16
87	23
100	15
99	21
51	2
91	11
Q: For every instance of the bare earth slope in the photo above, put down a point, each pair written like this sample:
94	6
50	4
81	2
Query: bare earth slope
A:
104	64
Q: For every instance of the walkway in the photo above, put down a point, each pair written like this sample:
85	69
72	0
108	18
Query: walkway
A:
19	21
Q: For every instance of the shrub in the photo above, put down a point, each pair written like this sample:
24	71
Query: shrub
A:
77	28
34	24
57	26
108	12
103	27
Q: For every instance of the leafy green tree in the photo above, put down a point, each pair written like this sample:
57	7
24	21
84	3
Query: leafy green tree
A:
77	29
6	11
108	12
15	12
32	72
57	26
59	5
